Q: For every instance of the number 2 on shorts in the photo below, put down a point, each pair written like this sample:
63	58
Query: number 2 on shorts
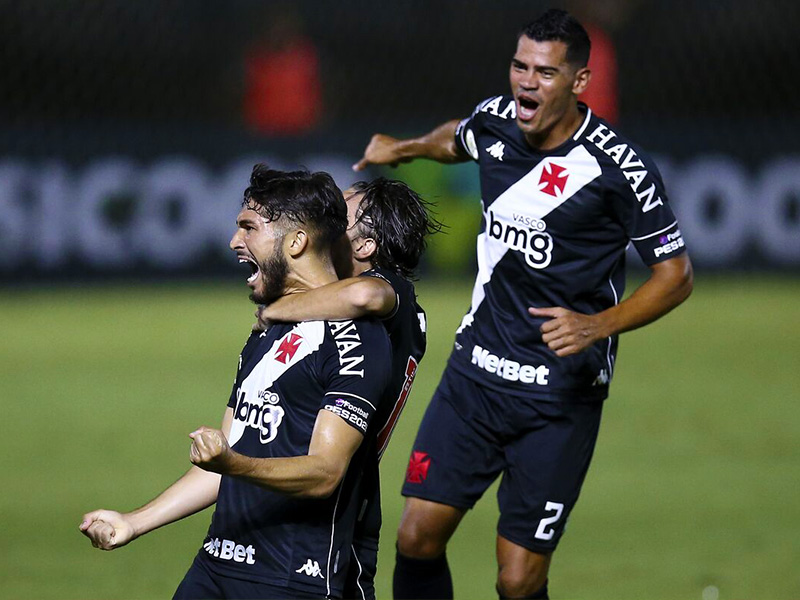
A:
542	532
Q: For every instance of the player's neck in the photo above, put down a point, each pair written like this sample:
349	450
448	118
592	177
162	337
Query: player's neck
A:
360	267
309	275
559	133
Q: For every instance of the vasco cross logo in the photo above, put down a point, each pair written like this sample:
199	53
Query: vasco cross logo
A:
288	348
553	180
418	466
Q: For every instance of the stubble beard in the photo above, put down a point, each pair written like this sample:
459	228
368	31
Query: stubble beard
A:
274	271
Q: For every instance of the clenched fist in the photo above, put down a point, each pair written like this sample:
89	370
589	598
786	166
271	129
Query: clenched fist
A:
210	450
107	529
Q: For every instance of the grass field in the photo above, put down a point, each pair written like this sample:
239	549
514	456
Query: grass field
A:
693	493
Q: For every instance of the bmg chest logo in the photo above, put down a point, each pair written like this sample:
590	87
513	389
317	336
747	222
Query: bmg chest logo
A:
261	412
533	242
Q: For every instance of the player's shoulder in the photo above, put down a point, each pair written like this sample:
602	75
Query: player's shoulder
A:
355	333
500	107
610	145
399	283
359	344
495	116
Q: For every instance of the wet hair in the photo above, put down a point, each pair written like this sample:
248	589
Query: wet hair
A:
397	218
299	198
559	25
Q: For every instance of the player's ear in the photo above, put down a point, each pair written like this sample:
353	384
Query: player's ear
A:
295	242
364	248
581	80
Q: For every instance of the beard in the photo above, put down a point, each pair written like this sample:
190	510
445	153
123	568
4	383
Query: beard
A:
274	271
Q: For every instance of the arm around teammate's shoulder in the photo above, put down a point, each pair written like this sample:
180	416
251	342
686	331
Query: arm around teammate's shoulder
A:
349	298
438	144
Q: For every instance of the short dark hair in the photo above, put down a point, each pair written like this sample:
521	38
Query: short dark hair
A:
301	197
397	218
559	25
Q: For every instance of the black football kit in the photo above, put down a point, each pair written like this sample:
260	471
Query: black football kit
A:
406	326
286	375
556	225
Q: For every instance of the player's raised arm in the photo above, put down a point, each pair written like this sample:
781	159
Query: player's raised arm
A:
195	491
345	299
438	145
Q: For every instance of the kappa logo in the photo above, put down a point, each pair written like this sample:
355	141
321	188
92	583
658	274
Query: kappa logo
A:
288	347
602	378
496	150
553	179
311	568
418	466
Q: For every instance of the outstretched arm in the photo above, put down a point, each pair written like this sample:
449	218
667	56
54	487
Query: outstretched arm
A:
438	145
315	475
344	299
196	490
568	332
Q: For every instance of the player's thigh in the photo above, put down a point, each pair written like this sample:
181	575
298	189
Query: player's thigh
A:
457	453
546	469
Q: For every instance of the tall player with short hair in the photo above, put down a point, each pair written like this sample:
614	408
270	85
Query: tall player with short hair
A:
387	226
563	195
288	468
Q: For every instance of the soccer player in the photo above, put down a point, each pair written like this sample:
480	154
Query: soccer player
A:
386	230
563	195
287	469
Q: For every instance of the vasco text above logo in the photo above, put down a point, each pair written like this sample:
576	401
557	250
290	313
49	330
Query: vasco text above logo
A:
262	412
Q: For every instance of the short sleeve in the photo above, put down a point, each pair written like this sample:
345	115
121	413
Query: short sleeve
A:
374	272
467	130
648	219
356	371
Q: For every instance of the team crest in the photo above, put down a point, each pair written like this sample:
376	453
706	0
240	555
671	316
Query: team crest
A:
553	180
418	466
288	347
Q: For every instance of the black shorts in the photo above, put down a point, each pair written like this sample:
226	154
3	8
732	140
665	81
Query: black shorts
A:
360	582
470	434
201	583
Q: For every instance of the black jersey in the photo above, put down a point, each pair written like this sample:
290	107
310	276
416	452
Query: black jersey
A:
406	326
286	375
556	224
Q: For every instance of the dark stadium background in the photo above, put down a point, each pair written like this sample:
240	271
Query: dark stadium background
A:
125	146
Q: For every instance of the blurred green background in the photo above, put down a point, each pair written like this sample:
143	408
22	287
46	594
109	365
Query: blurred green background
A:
692	493
127	134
